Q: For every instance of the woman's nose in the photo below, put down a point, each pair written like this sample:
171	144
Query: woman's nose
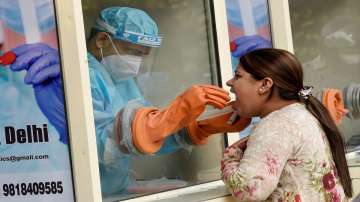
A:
229	83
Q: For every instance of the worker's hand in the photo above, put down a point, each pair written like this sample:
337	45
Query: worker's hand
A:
42	64
199	131
151	126
246	44
198	96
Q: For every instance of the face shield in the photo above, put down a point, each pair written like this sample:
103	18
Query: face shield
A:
134	28
134	39
145	54
150	77
124	60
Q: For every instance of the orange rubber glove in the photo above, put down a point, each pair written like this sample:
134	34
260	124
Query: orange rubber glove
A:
199	131
151	126
333	101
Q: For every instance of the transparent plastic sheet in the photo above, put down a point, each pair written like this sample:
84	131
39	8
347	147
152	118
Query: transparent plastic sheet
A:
181	61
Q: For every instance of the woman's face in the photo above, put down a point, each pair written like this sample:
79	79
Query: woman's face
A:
248	101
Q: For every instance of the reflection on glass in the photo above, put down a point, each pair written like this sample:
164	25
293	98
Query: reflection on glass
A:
246	18
150	75
327	41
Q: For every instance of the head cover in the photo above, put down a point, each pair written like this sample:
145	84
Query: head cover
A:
129	24
305	92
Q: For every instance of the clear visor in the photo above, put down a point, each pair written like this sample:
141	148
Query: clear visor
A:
149	77
128	59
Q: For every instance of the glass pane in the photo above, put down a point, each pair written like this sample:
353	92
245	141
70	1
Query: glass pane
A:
185	57
34	147
326	37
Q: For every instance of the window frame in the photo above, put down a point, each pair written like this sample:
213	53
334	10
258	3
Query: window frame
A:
83	150
72	45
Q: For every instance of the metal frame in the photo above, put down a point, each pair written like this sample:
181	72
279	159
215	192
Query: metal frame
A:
280	24
78	100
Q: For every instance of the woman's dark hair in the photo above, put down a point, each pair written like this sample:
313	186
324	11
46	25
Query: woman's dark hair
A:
286	72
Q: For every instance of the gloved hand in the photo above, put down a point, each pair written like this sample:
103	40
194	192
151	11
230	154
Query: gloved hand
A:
151	126
199	131
243	45
43	72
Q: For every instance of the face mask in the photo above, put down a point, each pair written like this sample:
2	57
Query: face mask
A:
121	66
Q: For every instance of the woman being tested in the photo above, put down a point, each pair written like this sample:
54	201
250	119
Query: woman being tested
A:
296	152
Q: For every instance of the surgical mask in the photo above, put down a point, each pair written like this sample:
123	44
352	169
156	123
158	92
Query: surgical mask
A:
121	67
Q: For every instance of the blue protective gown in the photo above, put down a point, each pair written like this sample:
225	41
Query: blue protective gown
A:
109	97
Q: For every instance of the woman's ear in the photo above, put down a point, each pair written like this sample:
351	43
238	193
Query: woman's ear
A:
266	85
102	40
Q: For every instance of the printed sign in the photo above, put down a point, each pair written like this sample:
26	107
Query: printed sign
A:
34	148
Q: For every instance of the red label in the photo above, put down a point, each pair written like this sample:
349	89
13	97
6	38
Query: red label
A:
7	58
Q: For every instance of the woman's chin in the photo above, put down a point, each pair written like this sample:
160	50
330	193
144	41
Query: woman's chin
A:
243	114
